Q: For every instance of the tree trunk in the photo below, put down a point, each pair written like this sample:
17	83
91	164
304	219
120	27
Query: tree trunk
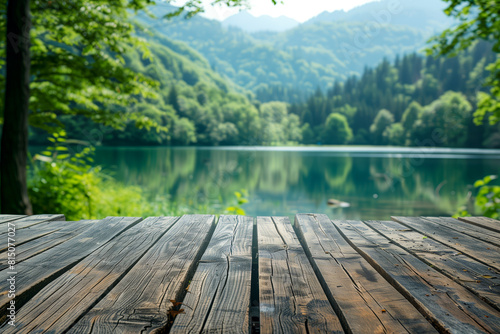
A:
14	149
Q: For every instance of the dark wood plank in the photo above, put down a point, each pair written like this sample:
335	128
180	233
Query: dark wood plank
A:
31	221
38	271
363	299
484	222
447	304
8	218
475	232
474	275
41	243
161	275
218	297
36	231
291	297
56	307
481	251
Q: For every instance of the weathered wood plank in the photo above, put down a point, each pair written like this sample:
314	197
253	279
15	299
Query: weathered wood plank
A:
474	275
33	232
160	274
363	299
8	218
485	222
467	229
449	305
481	251
56	307
291	297
218	298
31	221
36	272
43	239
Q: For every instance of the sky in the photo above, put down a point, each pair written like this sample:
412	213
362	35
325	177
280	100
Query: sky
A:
300	10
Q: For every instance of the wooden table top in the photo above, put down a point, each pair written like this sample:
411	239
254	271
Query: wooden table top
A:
237	274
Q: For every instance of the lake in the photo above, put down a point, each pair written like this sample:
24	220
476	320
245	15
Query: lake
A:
377	182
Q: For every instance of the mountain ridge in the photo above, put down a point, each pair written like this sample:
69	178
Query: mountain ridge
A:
250	23
309	56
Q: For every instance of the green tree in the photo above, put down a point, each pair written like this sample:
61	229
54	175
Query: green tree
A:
279	127
394	134
444	121
347	111
383	119
478	19
14	149
273	112
173	99
292	129
411	115
337	130
453	113
184	132
76	67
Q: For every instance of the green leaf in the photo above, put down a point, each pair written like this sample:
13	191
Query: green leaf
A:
478	183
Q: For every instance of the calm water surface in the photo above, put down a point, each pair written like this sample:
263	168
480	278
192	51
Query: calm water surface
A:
376	182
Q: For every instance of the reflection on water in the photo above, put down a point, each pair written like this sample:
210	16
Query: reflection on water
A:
377	185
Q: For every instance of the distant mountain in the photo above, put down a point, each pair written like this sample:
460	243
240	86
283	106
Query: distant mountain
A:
424	15
295	62
249	23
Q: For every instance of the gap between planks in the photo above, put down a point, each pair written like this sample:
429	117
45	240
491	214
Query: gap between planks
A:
218	299
162	275
65	300
38	271
364	301
291	297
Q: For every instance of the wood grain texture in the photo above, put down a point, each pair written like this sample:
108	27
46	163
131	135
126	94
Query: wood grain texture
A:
61	303
8	218
37	271
450	306
28	221
44	239
33	232
475	232
140	302
291	297
218	298
363	299
484	222
480	250
474	275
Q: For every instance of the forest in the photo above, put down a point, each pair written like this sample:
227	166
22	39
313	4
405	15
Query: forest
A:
130	74
399	103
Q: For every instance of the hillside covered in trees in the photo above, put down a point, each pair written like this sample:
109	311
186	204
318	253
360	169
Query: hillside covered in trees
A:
298	86
403	103
193	105
412	100
295	62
